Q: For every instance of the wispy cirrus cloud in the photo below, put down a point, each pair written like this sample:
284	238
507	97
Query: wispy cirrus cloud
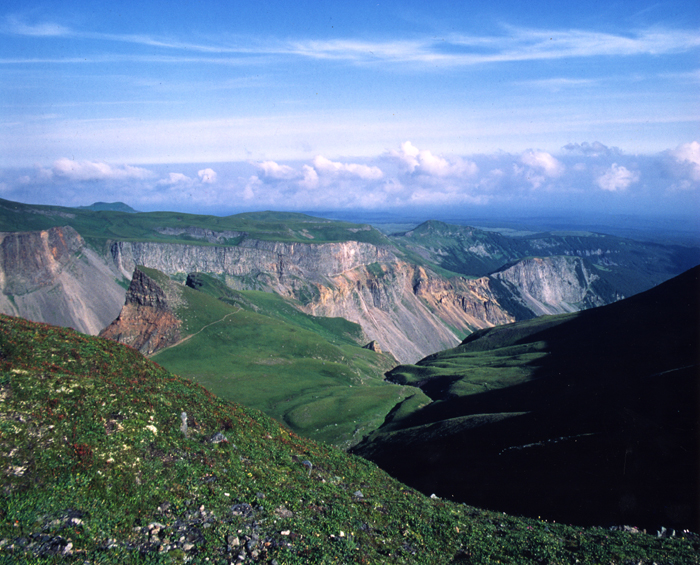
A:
16	26
514	44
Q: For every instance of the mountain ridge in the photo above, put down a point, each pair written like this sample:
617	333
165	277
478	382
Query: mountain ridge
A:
398	289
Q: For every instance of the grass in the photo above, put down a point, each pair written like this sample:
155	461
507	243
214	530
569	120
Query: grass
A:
97	470
101	226
256	348
624	266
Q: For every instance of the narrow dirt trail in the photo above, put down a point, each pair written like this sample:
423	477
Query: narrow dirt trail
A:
184	339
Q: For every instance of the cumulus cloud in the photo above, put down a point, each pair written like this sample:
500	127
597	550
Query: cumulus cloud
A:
310	179
275	171
416	161
207	176
94	171
249	191
175	179
543	162
326	166
688	156
406	177
617	178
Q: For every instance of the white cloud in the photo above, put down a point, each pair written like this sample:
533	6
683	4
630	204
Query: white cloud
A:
595	149
326	166
207	176
273	170
617	178
544	162
517	44
688	155
47	29
94	171
310	179
175	179
249	190
415	161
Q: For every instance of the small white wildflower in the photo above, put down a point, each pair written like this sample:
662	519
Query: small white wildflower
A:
153	429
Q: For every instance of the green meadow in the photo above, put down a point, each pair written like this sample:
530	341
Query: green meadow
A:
308	372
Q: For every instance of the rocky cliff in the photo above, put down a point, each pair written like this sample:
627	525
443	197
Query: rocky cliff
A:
408	310
52	276
147	321
554	285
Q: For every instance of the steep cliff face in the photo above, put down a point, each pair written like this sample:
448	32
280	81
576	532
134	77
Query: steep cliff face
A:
52	276
381	299
267	264
407	309
554	285
147	321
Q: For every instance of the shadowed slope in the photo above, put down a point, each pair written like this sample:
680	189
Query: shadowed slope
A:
588	418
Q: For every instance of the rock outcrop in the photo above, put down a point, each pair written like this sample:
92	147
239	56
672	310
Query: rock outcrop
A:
52	276
147	321
267	264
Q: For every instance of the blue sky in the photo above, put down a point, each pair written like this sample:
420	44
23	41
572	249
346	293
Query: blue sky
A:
225	106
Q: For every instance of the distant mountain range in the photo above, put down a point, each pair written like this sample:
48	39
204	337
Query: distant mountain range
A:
411	294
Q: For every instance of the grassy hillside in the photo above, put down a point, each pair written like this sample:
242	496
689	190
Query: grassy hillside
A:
586	418
97	469
99	226
257	349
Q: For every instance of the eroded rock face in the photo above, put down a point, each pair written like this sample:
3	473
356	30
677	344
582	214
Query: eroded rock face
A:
32	260
411	311
272	263
554	285
52	276
147	321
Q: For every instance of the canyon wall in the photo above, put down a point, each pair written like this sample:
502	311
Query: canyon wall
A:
554	285
52	276
408	310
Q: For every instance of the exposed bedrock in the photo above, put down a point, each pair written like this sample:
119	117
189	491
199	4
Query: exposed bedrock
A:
52	276
147	321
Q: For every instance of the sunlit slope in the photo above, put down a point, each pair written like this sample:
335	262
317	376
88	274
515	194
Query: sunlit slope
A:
97	468
308	372
589	417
